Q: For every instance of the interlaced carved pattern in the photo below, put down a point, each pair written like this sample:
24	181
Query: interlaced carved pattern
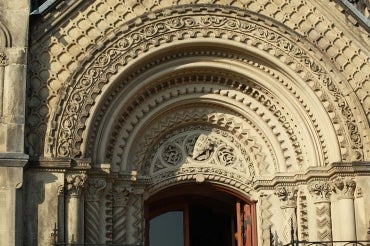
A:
201	147
79	96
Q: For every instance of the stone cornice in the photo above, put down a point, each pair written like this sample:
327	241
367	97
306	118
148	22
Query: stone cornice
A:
312	174
13	159
59	164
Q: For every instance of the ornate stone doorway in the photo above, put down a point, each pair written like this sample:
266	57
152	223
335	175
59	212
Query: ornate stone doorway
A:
199	214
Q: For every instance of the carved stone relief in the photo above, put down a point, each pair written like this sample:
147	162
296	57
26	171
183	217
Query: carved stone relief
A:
208	23
321	192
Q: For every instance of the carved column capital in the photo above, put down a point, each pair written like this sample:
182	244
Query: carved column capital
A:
93	188
287	196
320	191
3	59
75	184
121	194
344	187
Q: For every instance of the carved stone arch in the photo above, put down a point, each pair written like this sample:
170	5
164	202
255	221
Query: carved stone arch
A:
5	38
262	36
246	101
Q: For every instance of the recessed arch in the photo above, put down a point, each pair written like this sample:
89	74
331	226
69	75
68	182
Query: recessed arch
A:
254	72
267	40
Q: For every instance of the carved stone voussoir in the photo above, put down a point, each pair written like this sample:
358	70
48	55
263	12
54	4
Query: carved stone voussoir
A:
75	184
344	187
320	191
287	196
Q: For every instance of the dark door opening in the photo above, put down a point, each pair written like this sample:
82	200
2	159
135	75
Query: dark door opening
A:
198	216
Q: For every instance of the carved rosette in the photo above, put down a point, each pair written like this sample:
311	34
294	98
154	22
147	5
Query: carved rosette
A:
75	184
344	187
3	59
121	193
320	191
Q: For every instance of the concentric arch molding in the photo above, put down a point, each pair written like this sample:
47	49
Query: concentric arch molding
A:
171	25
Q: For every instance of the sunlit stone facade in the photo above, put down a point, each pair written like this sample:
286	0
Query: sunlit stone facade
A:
105	104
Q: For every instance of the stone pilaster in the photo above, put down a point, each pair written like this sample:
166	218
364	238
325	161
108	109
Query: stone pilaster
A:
92	195
121	193
321	192
74	206
344	188
288	198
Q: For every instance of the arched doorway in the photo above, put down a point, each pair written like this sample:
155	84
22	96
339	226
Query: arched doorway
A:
199	214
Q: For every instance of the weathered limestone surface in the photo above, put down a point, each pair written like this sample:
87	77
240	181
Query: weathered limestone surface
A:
13	76
268	99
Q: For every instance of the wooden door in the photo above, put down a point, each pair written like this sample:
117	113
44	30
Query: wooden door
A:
246	233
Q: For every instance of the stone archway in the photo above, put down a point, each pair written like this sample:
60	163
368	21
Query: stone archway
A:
209	94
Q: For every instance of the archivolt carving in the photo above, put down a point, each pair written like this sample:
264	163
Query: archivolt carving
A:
130	118
219	27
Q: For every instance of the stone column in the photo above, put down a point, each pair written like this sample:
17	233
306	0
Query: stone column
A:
121	194
288	198
74	205
92	196
344	188
321	191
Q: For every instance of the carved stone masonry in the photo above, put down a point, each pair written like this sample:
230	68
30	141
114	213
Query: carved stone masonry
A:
75	184
320	191
92	215
287	196
344	187
93	188
3	59
121	194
